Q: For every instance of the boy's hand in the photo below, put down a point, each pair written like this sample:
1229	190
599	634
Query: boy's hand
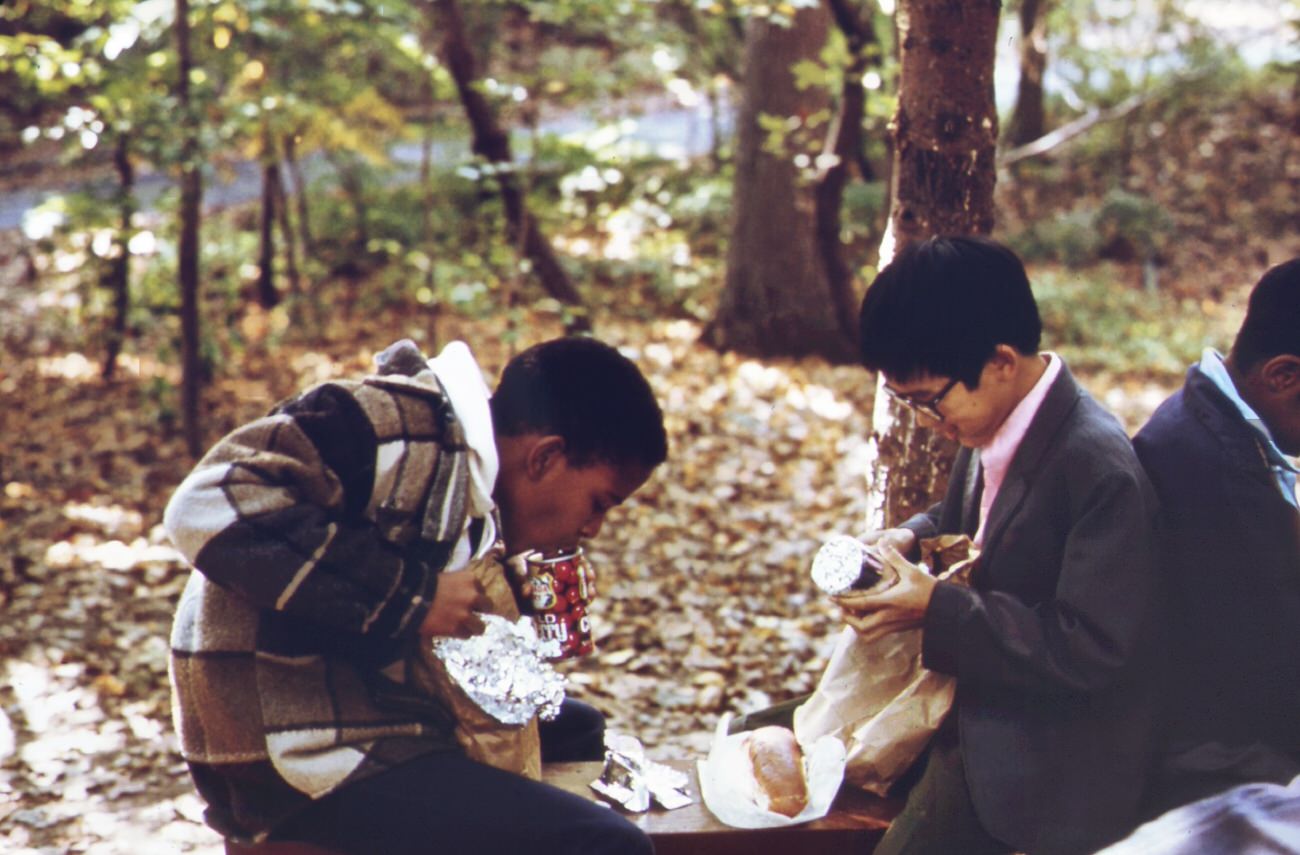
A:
900	539
459	596
898	607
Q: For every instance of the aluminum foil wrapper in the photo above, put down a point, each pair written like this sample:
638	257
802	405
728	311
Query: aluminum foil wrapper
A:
504	670
842	564
633	780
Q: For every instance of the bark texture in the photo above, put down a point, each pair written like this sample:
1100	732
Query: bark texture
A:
491	142
1028	120
778	298
945	136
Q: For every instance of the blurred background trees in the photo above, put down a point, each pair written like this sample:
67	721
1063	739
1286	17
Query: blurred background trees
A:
733	162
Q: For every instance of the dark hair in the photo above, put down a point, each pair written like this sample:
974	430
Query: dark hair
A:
943	305
1272	324
589	394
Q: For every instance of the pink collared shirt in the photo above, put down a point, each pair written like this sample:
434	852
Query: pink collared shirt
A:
995	457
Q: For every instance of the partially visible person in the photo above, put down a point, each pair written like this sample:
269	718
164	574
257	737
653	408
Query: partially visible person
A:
1053	643
333	537
1249	819
1220	453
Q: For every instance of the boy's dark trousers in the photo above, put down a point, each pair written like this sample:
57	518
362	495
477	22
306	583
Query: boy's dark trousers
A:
445	802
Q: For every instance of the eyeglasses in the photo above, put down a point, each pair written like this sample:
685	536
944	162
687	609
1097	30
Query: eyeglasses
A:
929	406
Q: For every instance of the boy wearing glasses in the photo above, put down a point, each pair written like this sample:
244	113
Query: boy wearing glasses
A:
1046	747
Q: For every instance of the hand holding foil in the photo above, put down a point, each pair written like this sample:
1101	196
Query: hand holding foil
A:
457	602
899	606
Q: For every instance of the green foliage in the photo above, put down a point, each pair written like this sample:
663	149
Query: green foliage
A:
1123	226
1102	53
1138	225
1069	238
1099	323
348	80
864	208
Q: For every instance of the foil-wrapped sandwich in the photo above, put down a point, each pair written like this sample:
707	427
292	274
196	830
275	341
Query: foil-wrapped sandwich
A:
503	670
845	564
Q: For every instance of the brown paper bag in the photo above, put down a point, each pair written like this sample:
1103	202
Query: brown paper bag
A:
876	697
514	748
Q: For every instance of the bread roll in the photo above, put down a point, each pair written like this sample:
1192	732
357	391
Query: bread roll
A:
777	762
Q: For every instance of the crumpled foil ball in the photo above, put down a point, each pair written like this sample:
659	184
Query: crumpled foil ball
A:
504	670
631	779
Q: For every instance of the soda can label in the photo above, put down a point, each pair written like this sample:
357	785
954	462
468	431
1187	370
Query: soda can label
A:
560	588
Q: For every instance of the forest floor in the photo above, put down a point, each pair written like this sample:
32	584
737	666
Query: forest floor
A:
706	606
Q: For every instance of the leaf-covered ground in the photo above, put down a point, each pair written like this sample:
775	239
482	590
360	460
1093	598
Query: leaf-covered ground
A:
706	606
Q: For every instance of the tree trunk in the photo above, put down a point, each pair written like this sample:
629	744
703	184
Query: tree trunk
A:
299	194
119	271
280	202
266	293
1027	122
492	143
945	134
844	150
191	202
778	299
349	171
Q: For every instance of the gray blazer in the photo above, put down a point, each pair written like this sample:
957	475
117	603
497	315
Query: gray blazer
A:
1054	643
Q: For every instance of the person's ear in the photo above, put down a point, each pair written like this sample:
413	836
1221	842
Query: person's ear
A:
1004	359
544	455
1281	374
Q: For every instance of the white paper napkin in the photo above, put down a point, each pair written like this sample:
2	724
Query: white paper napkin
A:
729	791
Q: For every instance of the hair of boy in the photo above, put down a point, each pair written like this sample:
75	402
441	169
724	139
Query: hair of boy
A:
1272	324
942	306
587	393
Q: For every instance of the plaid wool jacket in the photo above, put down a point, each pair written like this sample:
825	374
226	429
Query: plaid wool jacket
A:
316	534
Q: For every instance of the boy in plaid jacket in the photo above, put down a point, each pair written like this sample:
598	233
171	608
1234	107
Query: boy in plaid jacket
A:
330	538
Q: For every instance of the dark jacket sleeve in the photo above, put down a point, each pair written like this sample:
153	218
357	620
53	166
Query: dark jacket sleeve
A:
1064	595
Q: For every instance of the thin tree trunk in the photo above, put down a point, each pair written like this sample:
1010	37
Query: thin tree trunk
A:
191	202
1028	122
119	271
281	204
426	183
492	143
944	145
267	296
777	298
713	95
299	194
433	316
843	150
345	166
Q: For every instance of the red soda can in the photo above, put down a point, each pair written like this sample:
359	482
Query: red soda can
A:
560	584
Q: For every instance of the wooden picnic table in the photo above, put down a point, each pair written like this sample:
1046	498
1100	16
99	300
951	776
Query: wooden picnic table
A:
855	824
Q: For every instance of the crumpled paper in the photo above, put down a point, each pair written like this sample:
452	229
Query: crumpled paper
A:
632	780
876	696
729	791
502	670
511	747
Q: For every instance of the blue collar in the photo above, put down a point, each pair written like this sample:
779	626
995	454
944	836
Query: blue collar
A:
1212	366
